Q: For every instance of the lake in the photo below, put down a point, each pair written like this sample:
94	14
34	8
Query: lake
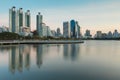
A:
92	60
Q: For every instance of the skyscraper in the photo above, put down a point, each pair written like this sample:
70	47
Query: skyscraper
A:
87	34
19	19
58	32
39	21
78	30
13	20
99	34
49	33
27	19
116	34
66	29
73	28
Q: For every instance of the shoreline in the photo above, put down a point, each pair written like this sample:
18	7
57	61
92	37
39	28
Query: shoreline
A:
41	42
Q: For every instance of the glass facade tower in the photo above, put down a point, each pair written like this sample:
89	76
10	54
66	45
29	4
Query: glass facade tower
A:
12	20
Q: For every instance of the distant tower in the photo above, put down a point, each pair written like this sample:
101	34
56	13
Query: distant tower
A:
19	19
39	21
78	30
88	34
13	20
28	19
73	28
66	29
58	32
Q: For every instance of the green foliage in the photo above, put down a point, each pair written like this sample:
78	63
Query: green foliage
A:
9	36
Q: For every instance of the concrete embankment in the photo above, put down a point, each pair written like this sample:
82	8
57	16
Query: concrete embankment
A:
41	42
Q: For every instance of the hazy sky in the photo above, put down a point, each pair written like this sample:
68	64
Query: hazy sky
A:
91	14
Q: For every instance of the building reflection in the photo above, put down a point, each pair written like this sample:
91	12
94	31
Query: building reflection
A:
26	51
27	61
39	53
71	51
20	56
20	59
17	57
12	59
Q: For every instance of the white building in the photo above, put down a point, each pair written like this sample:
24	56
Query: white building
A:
66	29
4	29
116	34
25	31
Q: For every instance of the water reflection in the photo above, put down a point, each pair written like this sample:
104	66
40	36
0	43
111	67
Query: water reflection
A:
18	56
60	62
39	55
71	51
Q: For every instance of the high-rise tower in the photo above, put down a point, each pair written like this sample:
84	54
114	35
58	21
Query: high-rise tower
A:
73	28
20	19
66	29
28	19
39	21
13	20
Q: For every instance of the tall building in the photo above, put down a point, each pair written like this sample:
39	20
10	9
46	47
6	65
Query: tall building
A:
73	28
66	29
16	19
20	19
87	34
78	30
43	30
99	34
28	19
49	33
58	32
39	21
54	33
116	34
13	20
109	35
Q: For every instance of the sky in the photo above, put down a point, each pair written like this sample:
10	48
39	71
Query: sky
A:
94	15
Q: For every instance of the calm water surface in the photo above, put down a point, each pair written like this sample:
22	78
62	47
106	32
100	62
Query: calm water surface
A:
93	60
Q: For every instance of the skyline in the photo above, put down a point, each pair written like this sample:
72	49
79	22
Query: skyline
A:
91	14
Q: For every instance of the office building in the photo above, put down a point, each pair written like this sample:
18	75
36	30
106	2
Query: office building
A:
99	34
66	29
19	19
116	34
39	21
73	29
54	33
28	19
58	32
109	35
78	30
49	33
88	34
13	20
